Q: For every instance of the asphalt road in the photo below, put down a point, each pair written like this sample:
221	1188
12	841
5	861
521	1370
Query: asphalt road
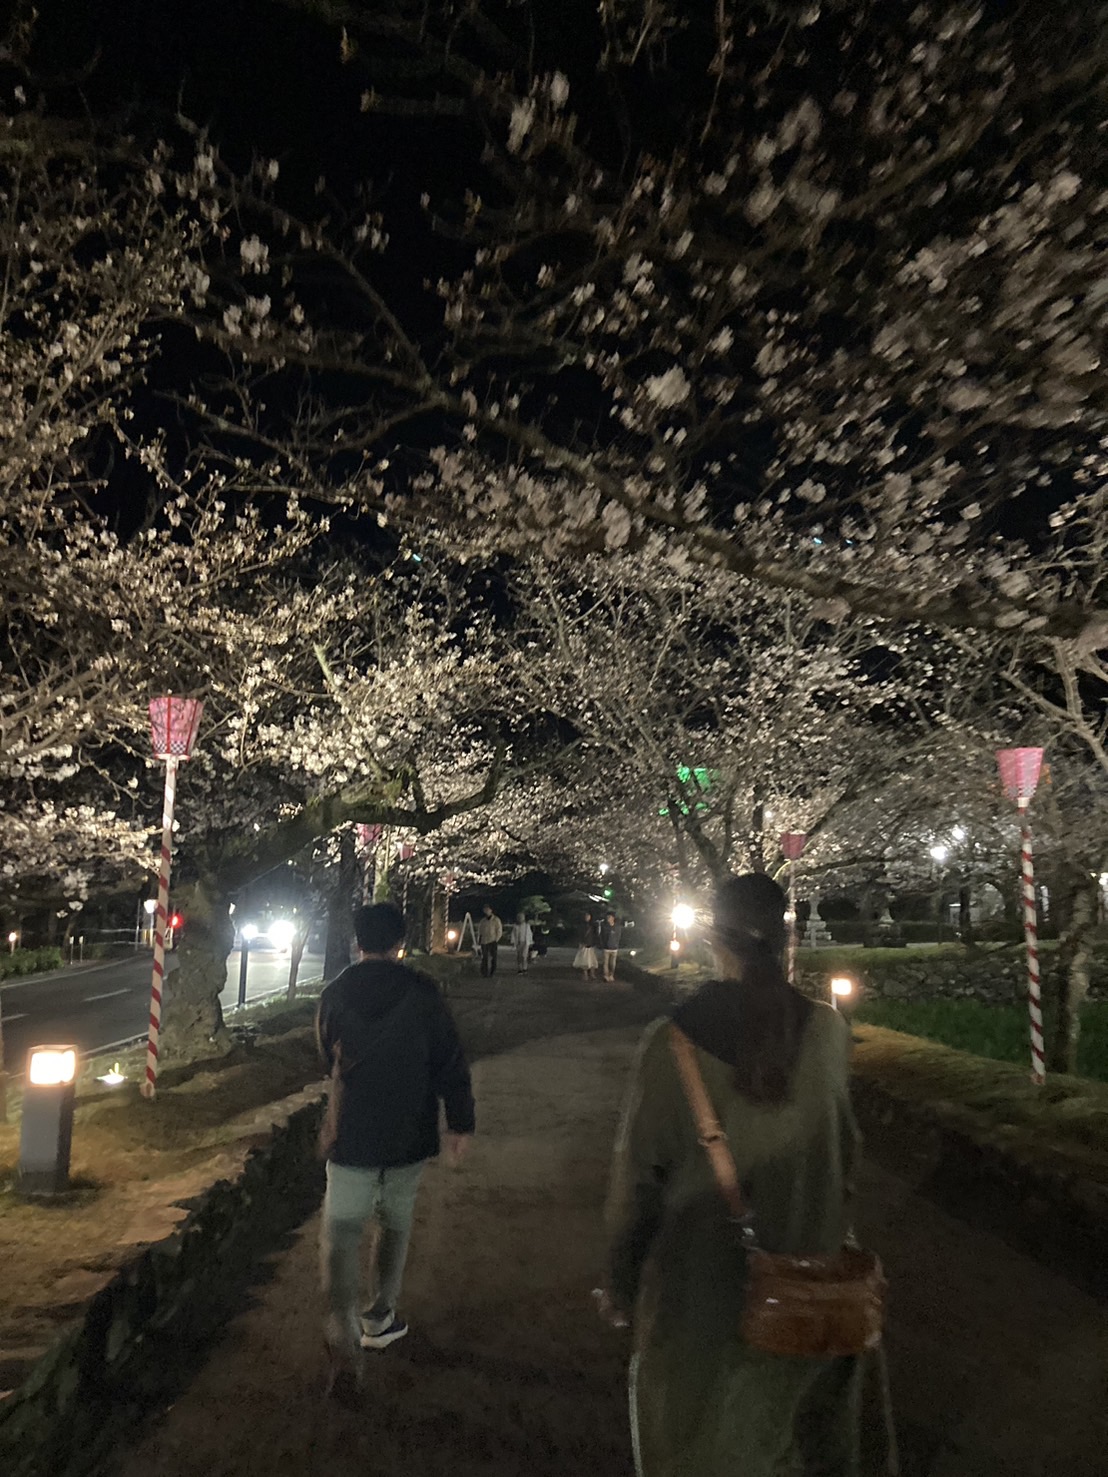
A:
94	1006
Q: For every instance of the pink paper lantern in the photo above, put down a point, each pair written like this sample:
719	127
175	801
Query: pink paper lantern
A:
174	722
1019	771
793	844
369	835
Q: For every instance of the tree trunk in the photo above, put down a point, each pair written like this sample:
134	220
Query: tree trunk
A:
758	838
340	910
296	953
965	917
1073	966
192	1018
438	920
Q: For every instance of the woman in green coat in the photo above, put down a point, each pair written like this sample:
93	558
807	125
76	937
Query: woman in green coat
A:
703	1403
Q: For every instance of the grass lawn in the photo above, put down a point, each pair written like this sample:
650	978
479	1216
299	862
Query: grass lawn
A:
996	1031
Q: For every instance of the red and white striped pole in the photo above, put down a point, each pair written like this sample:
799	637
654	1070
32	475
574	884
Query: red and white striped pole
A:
1031	937
1019	774
792	847
173	725
161	926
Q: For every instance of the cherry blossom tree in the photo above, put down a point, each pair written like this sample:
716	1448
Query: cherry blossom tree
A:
825	324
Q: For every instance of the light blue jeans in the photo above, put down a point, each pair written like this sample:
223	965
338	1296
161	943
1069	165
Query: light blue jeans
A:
354	1197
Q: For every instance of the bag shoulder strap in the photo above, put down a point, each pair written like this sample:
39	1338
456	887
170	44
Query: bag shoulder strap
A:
709	1130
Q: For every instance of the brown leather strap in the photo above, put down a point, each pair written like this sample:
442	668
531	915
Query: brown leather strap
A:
709	1130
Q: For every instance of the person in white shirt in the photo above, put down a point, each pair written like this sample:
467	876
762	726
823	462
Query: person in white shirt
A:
522	938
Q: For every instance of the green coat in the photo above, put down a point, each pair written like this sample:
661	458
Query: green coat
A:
703	1403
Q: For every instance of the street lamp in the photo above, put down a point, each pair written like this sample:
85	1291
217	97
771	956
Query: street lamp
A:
150	907
248	932
683	916
174	722
282	933
939	854
13	939
1019	774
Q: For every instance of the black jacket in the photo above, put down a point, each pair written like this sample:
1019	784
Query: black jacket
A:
400	1056
609	935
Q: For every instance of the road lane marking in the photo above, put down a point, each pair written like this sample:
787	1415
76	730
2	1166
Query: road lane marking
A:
18	1015
110	995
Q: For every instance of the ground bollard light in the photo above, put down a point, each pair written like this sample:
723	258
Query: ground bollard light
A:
46	1135
842	990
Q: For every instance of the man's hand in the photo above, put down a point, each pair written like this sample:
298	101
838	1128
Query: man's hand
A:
457	1146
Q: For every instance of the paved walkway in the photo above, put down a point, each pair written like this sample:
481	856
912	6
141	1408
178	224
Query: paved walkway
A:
998	1365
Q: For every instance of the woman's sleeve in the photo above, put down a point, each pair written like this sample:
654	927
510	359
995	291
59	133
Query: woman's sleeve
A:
644	1156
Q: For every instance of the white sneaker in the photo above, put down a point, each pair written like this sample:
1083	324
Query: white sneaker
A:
380	1333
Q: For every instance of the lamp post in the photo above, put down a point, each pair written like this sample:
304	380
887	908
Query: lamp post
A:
150	907
1019	774
842	988
684	917
13	939
792	848
173	725
248	933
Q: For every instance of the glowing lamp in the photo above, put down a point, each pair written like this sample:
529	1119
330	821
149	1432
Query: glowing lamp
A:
842	988
249	932
46	1134
150	906
451	935
683	916
1019	772
793	844
675	946
174	723
282	933
13	939
52	1066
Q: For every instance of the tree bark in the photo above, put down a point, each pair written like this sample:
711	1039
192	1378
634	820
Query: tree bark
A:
192	1017
296	953
340	910
439	898
965	917
1073	965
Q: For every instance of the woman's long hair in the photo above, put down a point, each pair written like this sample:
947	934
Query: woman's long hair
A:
749	928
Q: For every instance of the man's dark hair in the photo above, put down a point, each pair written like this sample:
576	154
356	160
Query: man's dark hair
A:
379	928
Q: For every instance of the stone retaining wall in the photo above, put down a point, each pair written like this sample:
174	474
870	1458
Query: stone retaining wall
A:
1047	1210
997	976
149	1326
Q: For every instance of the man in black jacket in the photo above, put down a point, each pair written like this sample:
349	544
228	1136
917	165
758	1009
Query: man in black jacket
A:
397	1052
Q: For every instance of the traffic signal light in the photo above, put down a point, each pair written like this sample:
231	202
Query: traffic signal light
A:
175	920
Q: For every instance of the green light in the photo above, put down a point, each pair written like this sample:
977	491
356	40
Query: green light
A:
704	778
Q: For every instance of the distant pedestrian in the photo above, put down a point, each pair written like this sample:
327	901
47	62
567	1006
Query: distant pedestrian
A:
391	1045
586	959
776	1069
610	932
522	938
490	931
